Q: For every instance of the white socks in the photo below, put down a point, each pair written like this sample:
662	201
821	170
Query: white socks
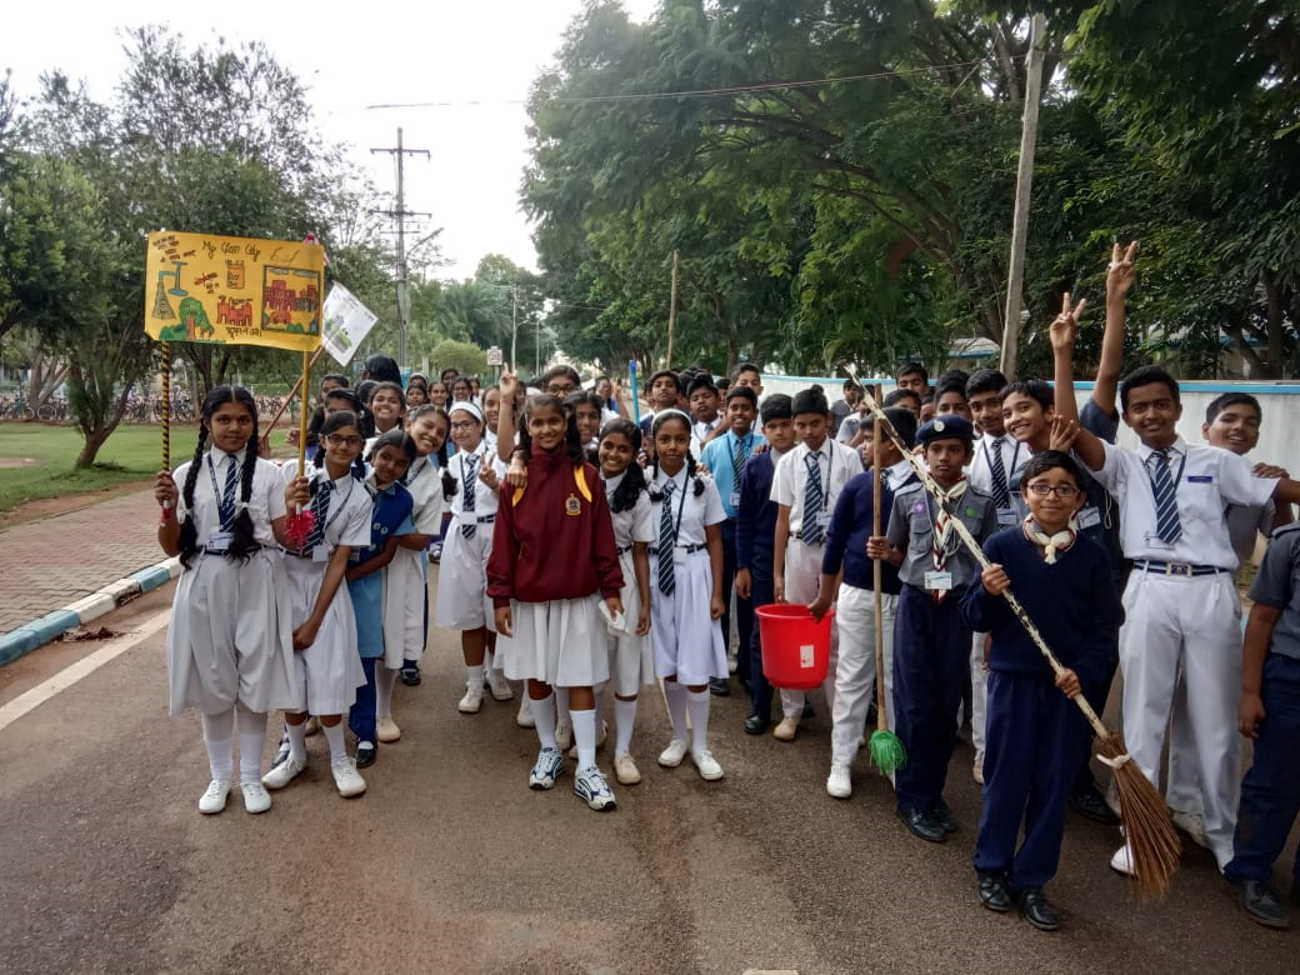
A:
338	747
218	736
624	719
297	740
252	735
544	719
697	702
474	677
384	681
584	734
676	695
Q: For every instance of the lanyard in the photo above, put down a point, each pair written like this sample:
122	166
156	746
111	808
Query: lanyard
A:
830	466
217	494
338	508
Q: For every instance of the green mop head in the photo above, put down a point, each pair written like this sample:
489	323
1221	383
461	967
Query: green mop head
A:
887	752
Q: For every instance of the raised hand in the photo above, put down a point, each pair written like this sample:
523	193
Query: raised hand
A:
509	384
164	490
1119	274
1064	432
1065	326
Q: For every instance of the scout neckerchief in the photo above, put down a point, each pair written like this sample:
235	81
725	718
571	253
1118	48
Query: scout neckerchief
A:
1050	544
943	538
225	502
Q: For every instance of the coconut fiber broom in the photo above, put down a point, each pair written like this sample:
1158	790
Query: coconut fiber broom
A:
1150	834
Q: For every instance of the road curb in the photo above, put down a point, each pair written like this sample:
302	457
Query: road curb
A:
51	626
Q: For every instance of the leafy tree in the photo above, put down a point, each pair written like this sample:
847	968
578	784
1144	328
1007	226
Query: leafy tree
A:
464	357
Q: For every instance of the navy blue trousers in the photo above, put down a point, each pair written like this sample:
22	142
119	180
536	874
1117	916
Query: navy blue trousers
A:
759	689
1270	792
361	718
931	645
1033	742
744	607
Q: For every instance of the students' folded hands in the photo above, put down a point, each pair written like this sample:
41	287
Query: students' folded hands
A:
1250	714
1068	682
995	580
297	494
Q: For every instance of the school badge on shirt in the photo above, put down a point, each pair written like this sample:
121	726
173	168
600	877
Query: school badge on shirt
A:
573	506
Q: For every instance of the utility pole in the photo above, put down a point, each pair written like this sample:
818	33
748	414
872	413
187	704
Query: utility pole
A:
400	214
672	312
514	326
1024	183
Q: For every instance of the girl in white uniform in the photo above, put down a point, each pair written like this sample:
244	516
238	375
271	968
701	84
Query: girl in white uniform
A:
631	658
462	602
228	647
326	666
686	577
387	407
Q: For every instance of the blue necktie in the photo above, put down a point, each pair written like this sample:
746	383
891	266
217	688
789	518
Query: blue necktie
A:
1001	496
226	505
320	506
667	541
1168	527
469	526
811	530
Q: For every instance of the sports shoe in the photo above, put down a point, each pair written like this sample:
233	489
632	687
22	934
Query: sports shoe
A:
367	753
1193	825
625	770
786	730
498	685
214	799
472	701
706	765
591	787
839	784
347	778
256	798
410	673
672	756
524	718
388	730
563	736
284	773
548	767
601	734
1122	861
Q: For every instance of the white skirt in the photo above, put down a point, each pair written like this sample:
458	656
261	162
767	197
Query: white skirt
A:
407	583
329	671
561	642
229	641
687	639
631	658
462	602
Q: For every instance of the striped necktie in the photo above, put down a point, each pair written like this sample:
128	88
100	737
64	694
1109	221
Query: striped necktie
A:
1168	527
1001	496
667	541
811	530
320	506
738	458
469	527
226	504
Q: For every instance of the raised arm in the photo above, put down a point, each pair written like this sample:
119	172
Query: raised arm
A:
509	386
1119	278
1064	331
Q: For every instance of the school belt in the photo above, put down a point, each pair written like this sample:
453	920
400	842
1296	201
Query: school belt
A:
820	541
1176	568
302	555
688	549
625	549
204	550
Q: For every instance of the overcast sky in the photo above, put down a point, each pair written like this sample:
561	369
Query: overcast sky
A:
486	51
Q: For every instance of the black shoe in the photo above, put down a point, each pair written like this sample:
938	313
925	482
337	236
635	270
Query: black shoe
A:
367	752
995	894
1091	804
719	687
1261	904
922	824
943	816
756	724
1035	909
808	711
410	673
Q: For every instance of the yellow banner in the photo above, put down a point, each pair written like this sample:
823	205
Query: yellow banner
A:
234	291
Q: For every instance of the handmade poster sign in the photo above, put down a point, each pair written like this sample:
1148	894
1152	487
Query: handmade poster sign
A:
347	323
234	290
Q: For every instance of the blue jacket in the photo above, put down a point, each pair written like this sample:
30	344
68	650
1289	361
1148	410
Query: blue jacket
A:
756	516
851	524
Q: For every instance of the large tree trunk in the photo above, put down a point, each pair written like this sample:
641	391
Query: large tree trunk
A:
1277	358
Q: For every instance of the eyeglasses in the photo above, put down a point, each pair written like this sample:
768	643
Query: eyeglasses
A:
1063	491
464	425
338	440
559	389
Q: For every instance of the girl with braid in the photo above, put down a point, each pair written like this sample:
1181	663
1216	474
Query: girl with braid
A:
229	647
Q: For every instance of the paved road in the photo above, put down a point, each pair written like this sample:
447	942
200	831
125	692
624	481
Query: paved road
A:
450	864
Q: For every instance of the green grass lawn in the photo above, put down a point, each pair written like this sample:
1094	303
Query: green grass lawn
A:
132	453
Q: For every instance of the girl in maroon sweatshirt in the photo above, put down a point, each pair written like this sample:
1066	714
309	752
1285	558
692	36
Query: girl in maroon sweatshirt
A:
553	559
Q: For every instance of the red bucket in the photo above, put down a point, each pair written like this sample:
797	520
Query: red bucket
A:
796	647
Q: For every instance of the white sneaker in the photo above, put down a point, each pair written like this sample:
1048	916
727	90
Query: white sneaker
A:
388	730
625	770
214	799
839	784
1122	861
591	787
601	735
472	701
1193	825
525	716
284	773
498	685
347	778
256	798
548	767
563	737
672	756
706	765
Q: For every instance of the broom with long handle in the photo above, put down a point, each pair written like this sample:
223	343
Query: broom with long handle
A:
1150	834
885	748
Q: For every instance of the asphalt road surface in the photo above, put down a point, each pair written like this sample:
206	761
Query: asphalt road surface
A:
450	864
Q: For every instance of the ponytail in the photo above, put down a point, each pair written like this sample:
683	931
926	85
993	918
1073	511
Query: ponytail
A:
189	530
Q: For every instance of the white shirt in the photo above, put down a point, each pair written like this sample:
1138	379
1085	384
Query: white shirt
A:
1014	456
696	514
897	474
347	521
838	464
424	481
485	499
265	501
1207	479
637	524
700	429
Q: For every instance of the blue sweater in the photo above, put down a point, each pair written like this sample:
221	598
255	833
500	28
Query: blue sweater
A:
1073	602
846	539
756	516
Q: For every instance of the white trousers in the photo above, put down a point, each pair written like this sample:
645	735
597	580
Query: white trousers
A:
803	574
1188	624
855	672
979	694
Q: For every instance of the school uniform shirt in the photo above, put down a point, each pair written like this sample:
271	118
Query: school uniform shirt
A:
725	458
838	465
1013	455
265	500
378	624
756	515
636	524
1276	584
1205	479
851	526
1246	523
1098	422
911	528
485	499
702	428
406	590
691	515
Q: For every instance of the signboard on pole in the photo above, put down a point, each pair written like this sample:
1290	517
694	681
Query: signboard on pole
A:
347	323
495	357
